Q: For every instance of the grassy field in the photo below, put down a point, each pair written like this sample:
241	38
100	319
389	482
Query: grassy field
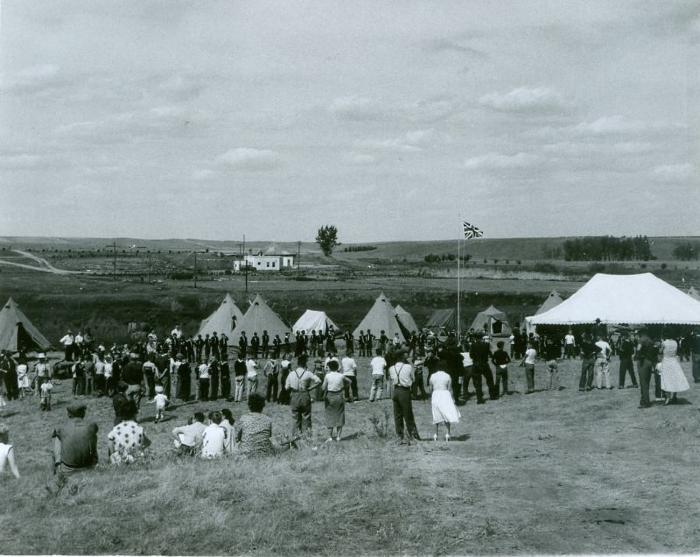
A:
551	472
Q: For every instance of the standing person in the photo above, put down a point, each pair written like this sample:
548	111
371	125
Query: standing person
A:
100	380
251	374
109	375
78	370
287	344
23	383
602	363
242	345
350	371
467	371
570	345
42	371
133	377
203	381
276	347
271	373
254	344
501	359
418	389
626	353
74	445
334	383
198	347
401	375
207	347
529	362
349	343
299	383
7	453
673	379
265	344
225	373
45	394
214	379
239	371
285	368
552	354
215	343
68	342
161	401
480	352
442	403
361	344
149	375
588	352
694	342
181	369
647	355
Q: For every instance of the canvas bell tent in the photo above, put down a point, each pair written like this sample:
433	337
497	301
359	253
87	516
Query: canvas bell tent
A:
17	332
406	320
259	318
551	301
492	321
222	320
313	320
381	317
443	319
632	299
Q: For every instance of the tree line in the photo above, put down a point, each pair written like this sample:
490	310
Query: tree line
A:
608	248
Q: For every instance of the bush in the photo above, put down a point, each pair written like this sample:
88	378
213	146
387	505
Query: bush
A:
545	268
685	251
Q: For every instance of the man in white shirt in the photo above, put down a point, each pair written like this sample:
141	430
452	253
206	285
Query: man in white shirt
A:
529	361
67	342
188	438
203	378
251	375
176	332
602	364
214	437
78	345
378	367
349	370
299	382
569	345
401	376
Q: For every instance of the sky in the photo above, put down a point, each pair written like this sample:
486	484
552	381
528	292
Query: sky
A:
391	120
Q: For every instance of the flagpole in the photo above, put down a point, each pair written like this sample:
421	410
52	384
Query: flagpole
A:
459	289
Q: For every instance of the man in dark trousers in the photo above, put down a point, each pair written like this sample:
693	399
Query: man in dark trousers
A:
223	347
287	344
626	353
349	343
132	375
242	345
265	345
198	347
254	345
647	355
276	346
401	376
480	352
694	341
588	355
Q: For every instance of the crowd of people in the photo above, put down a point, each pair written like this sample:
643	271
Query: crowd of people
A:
179	368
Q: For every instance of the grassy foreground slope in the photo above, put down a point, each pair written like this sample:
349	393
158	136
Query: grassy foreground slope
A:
560	472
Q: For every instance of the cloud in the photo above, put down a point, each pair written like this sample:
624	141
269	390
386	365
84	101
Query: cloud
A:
447	45
33	79
674	172
618	125
410	142
499	161
355	108
250	159
203	174
539	100
360	159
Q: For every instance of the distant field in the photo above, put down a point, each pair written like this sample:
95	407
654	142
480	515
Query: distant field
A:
548	473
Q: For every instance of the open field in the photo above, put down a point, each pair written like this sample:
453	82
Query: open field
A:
551	472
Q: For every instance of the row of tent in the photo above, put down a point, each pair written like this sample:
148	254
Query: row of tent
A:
609	299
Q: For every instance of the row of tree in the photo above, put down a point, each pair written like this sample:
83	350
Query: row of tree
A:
608	248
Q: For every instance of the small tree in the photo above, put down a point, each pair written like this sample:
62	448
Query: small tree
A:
327	238
685	252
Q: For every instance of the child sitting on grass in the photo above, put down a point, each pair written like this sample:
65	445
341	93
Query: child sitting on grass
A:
45	392
161	401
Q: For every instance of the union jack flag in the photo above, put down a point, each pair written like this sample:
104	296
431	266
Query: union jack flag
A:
471	231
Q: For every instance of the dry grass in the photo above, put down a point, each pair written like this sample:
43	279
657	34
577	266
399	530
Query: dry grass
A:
560	472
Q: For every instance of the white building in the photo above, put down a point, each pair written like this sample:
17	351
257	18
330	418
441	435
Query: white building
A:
267	262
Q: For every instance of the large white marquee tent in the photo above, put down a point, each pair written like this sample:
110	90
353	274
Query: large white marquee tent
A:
633	299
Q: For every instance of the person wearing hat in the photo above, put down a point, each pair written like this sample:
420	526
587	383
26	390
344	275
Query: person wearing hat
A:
401	376
68	342
42	372
74	445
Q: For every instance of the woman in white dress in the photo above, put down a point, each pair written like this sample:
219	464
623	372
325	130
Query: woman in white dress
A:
443	405
673	379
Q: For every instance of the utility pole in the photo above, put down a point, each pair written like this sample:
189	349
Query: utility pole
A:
245	265
114	261
298	255
194	274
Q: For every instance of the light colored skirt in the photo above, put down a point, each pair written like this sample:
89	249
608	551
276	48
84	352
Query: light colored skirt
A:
335	409
444	409
672	377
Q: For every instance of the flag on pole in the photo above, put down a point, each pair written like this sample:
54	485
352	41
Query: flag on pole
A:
471	231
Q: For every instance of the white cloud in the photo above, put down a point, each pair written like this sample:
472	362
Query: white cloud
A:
499	161
250	159
526	100
674	172
203	174
360	158
32	79
410	142
356	108
619	125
